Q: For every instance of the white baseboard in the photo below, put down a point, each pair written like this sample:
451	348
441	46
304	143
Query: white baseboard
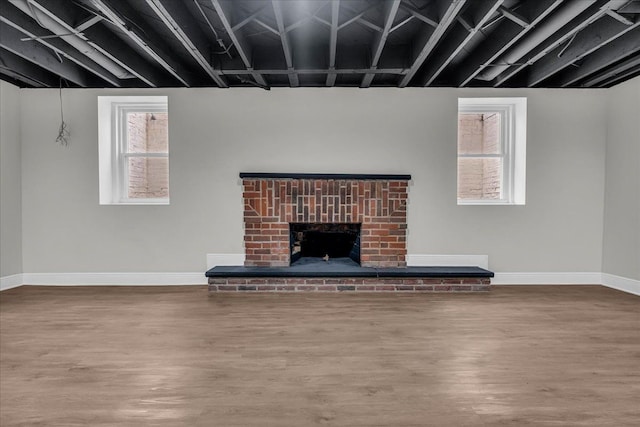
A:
13	281
420	260
547	279
172	279
114	279
624	284
214	260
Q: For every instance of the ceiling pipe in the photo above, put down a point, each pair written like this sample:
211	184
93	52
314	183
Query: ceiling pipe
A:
535	38
74	40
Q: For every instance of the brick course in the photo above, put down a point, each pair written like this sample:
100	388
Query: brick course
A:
298	284
380	206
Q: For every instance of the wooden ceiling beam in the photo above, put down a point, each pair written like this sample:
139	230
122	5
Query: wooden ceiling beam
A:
17	19
41	56
617	50
582	15
333	43
178	20
592	38
502	39
430	40
456	40
390	9
612	72
243	49
25	71
286	44
120	14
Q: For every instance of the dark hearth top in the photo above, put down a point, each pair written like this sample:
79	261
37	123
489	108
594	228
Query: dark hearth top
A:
353	176
339	268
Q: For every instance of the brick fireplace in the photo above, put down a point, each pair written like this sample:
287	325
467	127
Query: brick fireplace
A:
358	221
378	203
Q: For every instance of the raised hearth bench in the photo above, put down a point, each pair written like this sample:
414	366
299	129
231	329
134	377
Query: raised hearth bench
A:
340	275
332	232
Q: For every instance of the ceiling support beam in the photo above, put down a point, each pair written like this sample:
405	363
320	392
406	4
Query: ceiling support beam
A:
598	34
418	14
119	52
222	9
399	71
626	75
179	22
390	9
61	22
430	41
617	50
17	19
248	19
502	39
359	18
610	73
333	43
286	44
20	69
39	55
514	17
100	40
560	28
116	12
458	38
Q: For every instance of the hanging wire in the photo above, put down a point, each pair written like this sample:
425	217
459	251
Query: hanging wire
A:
63	132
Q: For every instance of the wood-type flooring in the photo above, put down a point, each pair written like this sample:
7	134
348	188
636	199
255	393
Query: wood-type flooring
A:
174	356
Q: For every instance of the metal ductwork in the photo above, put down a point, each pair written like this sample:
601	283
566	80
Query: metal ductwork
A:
77	41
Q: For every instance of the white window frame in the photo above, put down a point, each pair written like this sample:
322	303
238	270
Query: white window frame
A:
513	140
112	141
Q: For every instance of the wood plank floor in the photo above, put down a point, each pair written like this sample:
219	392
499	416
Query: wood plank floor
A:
174	356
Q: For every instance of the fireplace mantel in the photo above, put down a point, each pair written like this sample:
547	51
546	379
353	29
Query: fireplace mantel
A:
346	176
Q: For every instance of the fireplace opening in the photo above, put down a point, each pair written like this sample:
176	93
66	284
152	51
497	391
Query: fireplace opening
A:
320	242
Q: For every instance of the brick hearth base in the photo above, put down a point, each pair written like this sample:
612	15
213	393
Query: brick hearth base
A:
318	284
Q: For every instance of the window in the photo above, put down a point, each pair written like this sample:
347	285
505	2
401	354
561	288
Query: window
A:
491	151
133	149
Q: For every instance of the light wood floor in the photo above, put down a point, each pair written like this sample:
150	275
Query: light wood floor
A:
173	356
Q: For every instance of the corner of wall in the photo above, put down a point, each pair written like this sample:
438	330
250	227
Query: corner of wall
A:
10	184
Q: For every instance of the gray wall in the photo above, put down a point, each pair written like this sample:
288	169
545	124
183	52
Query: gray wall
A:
621	253
10	182
214	134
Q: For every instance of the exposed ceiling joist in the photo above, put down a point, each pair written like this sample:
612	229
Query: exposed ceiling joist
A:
333	42
308	71
458	38
431	39
617	50
276	43
224	13
598	34
25	71
621	77
615	71
17	19
179	22
120	14
39	55
418	14
504	37
105	43
286	44
390	9
514	17
561	27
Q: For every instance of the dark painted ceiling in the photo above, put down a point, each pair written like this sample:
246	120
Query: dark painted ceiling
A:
291	43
